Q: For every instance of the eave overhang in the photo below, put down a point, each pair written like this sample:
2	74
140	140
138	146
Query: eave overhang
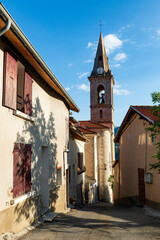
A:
26	49
126	122
77	134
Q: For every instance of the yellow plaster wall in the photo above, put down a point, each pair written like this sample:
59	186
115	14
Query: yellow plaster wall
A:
136	150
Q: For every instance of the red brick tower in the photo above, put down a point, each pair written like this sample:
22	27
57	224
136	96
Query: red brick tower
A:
101	88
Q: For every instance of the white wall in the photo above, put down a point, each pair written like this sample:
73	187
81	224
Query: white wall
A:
15	129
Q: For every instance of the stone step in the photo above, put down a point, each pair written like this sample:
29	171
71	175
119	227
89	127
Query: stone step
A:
49	216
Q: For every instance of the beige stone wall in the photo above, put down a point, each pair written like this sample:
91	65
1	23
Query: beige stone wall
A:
136	150
89	152
105	164
17	217
48	130
116	181
152	190
58	195
132	150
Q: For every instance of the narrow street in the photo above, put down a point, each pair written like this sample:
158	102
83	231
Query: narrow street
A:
99	221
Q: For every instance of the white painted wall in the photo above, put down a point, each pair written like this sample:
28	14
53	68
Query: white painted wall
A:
13	128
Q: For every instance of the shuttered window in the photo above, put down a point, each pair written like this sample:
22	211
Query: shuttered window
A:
80	160
20	87
28	95
21	169
17	89
80	165
10	82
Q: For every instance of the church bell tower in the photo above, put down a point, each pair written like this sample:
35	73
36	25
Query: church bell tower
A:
101	88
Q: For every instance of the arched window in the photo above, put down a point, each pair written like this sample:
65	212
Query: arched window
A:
101	114
101	94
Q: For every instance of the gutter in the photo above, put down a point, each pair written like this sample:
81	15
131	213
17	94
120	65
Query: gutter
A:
34	53
6	27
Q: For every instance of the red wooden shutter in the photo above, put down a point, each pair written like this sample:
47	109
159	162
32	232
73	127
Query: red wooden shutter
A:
18	170
28	95
27	171
80	160
10	82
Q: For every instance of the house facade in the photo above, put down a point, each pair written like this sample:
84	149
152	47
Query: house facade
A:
134	181
77	164
100	128
34	138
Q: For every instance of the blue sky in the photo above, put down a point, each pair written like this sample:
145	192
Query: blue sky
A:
65	33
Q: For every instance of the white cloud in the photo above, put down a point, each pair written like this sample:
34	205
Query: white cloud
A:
158	32
120	91
116	65
120	57
67	89
81	75
124	28
70	64
84	87
88	61
112	42
89	45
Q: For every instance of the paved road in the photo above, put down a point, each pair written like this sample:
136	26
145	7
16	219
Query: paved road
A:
100	222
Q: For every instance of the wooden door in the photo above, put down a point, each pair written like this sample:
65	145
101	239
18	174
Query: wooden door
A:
67	188
141	186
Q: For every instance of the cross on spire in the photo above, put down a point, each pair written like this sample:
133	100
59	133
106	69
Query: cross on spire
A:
100	25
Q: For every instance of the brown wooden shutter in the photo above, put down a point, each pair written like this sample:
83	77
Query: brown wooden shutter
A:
80	160
28	95
27	171
20	86
18	170
10	82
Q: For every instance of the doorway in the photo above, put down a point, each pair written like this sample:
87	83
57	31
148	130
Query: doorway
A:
44	180
141	186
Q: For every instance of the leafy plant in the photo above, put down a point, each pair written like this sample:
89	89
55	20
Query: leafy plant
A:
111	181
155	128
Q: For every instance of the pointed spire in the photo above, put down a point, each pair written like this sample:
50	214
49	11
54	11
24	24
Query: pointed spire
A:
101	59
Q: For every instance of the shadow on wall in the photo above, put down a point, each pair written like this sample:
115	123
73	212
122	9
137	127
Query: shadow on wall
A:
41	135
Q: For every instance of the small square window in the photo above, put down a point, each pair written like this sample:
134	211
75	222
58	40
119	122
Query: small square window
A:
152	138
59	176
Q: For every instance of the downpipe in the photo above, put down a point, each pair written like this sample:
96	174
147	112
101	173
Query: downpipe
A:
6	27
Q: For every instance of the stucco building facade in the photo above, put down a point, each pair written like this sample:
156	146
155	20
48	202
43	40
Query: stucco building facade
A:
134	181
34	138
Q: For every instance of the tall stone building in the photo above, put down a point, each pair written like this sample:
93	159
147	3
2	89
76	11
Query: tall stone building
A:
100	129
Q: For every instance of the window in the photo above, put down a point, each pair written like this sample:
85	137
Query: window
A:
59	175
80	167
69	174
100	58
101	94
101	114
21	169
152	138
17	88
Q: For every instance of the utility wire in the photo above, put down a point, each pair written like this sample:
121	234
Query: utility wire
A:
92	153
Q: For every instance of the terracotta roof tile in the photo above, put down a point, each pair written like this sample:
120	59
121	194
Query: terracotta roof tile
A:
92	125
146	111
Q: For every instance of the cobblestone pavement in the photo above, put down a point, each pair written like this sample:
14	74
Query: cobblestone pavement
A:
99	221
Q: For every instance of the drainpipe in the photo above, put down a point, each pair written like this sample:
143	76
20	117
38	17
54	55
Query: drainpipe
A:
6	27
